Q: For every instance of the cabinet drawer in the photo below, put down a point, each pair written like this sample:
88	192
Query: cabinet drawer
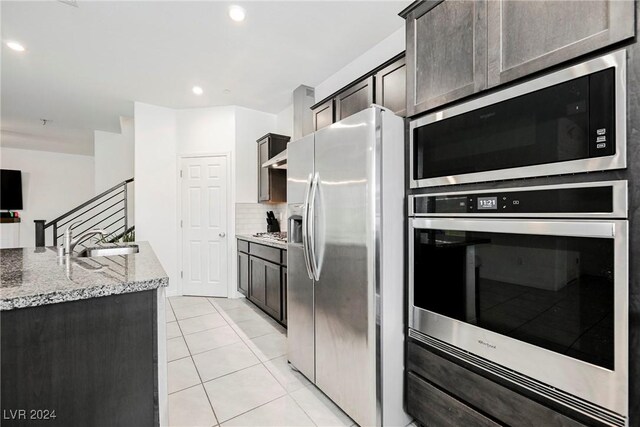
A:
265	252
243	246
433	407
500	402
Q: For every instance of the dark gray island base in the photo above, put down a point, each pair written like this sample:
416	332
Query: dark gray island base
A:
82	346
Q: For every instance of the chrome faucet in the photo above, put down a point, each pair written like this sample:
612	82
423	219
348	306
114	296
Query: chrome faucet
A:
70	243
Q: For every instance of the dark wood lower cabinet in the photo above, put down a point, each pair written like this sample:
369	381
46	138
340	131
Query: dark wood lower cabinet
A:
243	273
434	407
284	295
273	290
262	278
258	280
445	394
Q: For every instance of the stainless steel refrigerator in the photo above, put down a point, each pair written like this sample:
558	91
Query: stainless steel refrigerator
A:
345	264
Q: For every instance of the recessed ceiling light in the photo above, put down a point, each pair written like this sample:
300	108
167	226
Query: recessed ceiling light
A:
15	46
197	90
236	13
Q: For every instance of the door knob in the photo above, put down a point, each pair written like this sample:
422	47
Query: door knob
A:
222	234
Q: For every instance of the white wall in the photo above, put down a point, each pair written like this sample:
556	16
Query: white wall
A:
114	163
250	125
113	153
162	137
156	184
205	130
284	121
52	184
383	51
377	55
210	131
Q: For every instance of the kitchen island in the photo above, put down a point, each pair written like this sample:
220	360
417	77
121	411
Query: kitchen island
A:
82	339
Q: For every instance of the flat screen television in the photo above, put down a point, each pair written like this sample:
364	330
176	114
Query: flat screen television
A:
10	190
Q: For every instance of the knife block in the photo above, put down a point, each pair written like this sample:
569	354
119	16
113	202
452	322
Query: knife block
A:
273	226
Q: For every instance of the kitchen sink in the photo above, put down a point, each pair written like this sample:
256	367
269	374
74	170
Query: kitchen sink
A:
108	251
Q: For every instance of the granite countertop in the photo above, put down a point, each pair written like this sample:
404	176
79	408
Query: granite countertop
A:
263	241
31	277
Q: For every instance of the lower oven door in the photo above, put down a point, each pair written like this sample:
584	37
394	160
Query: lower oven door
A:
546	299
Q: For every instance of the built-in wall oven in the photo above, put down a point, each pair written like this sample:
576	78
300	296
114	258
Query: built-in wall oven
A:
568	121
530	284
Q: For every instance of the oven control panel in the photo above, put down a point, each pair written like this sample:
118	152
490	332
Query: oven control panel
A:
596	199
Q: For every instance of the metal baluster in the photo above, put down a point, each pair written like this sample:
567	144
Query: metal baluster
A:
126	212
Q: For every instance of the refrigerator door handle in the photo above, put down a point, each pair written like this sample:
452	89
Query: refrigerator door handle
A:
305	226
311	224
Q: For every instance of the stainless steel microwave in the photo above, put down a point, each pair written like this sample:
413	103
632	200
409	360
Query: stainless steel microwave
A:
569	121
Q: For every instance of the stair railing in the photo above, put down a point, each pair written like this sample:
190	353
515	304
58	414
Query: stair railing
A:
109	207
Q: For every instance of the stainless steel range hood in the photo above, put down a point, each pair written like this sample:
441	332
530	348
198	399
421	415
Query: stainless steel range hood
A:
279	161
303	99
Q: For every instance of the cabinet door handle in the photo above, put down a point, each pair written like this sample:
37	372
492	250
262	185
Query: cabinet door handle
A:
222	234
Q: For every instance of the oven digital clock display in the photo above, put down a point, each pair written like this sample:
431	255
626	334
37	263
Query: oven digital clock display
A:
488	203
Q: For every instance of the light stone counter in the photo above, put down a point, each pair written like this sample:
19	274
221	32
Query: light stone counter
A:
31	277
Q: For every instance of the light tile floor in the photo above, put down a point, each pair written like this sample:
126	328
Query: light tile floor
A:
228	367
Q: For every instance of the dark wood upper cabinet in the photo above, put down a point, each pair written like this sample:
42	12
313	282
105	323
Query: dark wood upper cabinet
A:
323	115
272	183
458	48
391	87
263	173
529	36
446	52
354	99
384	85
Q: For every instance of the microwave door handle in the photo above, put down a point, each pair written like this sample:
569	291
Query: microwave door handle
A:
312	225
598	229
305	226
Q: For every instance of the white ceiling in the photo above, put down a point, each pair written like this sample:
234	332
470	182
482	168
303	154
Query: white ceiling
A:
84	67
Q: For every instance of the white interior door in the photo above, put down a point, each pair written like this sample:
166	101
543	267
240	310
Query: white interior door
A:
204	225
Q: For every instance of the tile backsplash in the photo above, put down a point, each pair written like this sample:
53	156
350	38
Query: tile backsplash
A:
252	217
